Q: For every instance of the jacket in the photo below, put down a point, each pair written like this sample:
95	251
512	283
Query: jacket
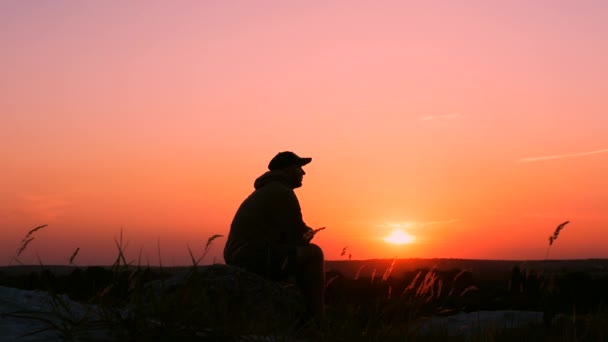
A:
269	216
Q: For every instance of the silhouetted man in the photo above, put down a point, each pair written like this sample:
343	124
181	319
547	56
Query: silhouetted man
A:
269	237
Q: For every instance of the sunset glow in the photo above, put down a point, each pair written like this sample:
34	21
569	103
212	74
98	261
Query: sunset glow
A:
482	124
399	237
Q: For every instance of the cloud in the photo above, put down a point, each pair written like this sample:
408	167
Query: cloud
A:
440	117
562	156
432	223
394	225
414	225
44	207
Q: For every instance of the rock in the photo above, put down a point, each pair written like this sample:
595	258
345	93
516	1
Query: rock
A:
467	325
33	315
223	297
217	301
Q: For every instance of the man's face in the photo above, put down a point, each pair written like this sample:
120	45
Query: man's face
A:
295	175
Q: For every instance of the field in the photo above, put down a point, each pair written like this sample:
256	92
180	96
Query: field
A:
367	300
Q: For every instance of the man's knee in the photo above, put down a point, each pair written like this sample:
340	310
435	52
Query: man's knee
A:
311	252
316	251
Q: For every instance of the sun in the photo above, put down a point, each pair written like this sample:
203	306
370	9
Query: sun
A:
399	237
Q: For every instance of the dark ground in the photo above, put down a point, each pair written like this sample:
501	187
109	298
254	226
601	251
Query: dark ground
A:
438	286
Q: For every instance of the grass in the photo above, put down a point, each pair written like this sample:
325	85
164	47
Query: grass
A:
555	235
382	307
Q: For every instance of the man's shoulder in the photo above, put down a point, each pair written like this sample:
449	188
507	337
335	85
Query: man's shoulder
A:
275	189
275	186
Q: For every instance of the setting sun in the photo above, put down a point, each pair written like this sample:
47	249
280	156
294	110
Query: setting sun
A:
399	237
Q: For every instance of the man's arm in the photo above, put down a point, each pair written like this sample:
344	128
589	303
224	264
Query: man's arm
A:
288	218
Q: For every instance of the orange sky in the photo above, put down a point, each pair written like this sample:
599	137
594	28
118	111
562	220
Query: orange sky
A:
476	126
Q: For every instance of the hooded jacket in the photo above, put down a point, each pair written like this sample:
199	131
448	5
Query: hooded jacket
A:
269	216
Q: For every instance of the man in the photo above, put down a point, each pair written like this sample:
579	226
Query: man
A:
269	237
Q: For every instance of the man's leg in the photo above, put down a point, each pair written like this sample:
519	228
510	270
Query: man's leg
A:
311	277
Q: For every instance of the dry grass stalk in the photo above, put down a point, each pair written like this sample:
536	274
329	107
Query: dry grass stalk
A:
210	240
160	262
311	233
192	258
426	288
208	245
358	273
468	289
121	247
196	262
439	288
74	255
412	284
34	230
24	244
389	270
331	280
315	231
28	238
553	237
456	277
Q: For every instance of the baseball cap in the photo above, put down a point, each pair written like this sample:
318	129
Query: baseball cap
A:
286	159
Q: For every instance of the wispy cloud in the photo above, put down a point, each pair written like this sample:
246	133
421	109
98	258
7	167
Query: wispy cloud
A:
44	207
562	156
440	117
414	225
433	223
540	215
394	225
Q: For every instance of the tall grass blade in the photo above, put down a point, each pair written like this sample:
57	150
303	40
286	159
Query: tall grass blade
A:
553	237
28	238
24	245
74	255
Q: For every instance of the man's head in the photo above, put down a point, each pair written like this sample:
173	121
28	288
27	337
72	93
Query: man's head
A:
291	164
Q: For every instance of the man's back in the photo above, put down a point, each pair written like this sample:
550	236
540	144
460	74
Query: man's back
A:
270	216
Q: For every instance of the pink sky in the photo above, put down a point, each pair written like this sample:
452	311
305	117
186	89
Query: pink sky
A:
475	126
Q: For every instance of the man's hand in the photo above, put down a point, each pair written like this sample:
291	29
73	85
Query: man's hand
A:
311	233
